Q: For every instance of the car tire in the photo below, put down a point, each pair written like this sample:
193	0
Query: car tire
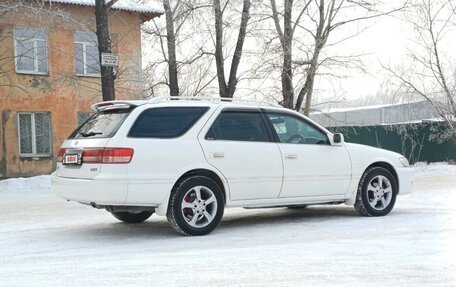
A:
377	192
196	206
132	217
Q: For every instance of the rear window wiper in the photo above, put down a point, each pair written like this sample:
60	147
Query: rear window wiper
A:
89	134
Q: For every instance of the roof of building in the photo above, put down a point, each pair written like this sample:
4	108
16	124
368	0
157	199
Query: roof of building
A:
398	113
152	7
370	107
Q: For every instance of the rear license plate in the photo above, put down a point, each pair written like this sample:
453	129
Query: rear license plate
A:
72	159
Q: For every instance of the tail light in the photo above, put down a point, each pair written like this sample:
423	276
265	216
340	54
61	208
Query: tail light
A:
102	155
107	155
117	155
61	154
92	155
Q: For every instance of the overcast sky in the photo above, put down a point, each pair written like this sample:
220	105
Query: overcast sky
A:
386	42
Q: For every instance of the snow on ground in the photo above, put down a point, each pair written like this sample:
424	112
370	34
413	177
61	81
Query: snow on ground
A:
46	241
37	184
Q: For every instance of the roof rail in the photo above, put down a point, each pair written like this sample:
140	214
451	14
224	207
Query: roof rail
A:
157	100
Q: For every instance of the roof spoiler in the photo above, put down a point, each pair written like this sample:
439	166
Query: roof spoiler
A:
113	105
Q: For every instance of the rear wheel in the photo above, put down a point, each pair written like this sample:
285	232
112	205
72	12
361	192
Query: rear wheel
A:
377	192
196	206
132	217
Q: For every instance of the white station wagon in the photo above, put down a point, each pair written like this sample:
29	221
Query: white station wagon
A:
189	158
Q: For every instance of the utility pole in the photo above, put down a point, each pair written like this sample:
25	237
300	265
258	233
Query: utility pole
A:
104	47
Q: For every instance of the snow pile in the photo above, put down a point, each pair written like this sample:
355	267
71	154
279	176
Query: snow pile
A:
436	167
37	184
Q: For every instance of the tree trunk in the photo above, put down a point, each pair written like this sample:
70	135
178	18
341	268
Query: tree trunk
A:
219	60
227	90
287	69
238	51
307	90
104	46
171	42
321	37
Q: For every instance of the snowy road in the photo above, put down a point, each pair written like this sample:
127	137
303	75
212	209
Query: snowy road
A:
46	241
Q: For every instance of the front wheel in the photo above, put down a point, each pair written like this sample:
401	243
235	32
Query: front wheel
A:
196	206
377	192
132	217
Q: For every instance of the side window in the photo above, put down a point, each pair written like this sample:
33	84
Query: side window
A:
86	51
239	126
291	129
166	122
30	51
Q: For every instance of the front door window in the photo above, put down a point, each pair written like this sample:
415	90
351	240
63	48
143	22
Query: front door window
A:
293	130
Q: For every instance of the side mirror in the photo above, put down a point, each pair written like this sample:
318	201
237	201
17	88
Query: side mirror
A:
338	139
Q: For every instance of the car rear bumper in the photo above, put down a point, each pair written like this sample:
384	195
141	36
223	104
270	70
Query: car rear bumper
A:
110	190
405	176
104	191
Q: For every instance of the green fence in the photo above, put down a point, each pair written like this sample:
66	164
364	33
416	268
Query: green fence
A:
418	142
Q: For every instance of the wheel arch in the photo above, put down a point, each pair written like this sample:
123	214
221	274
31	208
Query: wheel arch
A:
204	172
389	167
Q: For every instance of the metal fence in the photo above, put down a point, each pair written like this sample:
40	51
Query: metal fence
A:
418	142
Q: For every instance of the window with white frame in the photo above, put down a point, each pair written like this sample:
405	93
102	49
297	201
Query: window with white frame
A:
34	131
30	51
87	57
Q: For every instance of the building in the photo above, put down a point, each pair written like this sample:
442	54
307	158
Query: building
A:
49	74
376	115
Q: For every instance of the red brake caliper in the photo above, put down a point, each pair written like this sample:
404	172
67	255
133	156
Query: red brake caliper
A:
186	210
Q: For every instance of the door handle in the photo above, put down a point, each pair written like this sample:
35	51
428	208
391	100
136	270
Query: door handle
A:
217	154
291	156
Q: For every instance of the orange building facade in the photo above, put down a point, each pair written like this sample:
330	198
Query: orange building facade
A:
49	77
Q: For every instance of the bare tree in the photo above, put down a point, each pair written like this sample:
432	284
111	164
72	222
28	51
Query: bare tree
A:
108	77
171	43
431	73
286	39
184	58
227	89
317	19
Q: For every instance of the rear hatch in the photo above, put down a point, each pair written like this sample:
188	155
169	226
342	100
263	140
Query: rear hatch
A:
83	154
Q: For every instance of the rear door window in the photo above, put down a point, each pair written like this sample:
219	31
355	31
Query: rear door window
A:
239	126
102	124
167	122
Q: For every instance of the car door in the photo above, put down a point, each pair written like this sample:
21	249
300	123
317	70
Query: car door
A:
312	166
240	145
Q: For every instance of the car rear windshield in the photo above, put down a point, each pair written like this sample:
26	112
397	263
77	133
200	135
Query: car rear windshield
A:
167	122
101	125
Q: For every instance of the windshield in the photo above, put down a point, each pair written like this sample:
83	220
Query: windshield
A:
101	125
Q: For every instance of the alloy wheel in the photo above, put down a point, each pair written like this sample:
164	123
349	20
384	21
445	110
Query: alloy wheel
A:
199	206
379	192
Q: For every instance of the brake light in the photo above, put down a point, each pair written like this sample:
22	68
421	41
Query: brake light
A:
92	155
107	155
61	154
117	155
